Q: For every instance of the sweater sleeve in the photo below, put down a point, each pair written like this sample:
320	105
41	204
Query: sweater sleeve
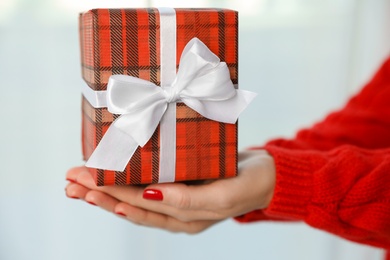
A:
344	191
335	175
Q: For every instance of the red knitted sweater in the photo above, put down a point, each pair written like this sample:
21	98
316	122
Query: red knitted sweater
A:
335	176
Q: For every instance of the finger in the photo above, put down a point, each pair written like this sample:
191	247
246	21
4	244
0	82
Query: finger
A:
179	201
242	155
180	210
143	217
128	194
76	191
124	193
83	177
248	154
73	173
86	179
176	195
194	197
134	196
102	200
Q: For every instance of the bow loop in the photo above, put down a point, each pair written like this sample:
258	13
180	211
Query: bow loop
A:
125	93
201	75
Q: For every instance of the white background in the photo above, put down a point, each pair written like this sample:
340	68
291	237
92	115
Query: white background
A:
303	57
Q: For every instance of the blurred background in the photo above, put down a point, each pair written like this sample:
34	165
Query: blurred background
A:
303	57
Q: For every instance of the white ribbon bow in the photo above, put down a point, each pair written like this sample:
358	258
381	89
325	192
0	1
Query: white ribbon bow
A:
202	83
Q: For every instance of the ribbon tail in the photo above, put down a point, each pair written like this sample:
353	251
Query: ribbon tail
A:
121	148
246	97
226	111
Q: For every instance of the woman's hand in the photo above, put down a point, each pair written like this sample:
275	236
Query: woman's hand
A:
180	207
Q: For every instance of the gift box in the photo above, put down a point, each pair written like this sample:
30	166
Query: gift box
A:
133	42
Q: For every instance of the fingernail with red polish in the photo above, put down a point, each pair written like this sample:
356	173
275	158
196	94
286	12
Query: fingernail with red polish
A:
76	198
151	194
70	180
121	214
92	203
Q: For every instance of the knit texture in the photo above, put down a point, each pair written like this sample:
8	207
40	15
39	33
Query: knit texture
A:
335	176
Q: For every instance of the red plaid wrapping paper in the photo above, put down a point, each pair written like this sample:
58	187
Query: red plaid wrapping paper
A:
127	41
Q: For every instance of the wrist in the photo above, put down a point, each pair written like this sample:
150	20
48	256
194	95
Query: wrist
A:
257	169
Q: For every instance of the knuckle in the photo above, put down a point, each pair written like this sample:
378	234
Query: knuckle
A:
140	220
136	222
194	228
184	218
217	216
183	201
225	203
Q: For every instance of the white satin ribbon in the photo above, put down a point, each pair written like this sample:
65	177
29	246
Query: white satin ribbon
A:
167	163
97	99
202	83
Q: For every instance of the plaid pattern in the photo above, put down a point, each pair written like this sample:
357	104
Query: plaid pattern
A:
127	41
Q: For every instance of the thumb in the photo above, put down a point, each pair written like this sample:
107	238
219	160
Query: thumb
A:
184	197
